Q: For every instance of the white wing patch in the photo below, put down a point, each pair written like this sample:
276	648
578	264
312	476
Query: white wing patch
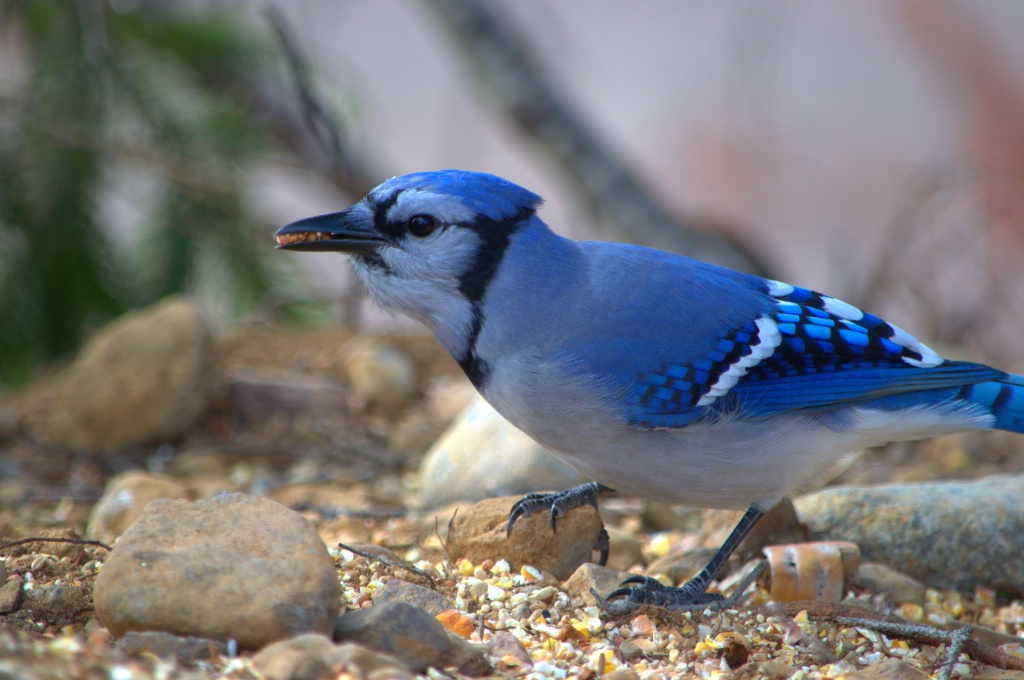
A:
849	313
770	338
904	339
844	310
778	288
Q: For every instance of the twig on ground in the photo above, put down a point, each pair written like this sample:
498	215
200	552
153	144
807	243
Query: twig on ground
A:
855	616
955	640
387	559
445	543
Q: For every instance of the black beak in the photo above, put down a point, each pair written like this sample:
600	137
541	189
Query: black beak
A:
336	232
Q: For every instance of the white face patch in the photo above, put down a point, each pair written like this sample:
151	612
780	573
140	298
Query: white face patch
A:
422	279
770	339
446	208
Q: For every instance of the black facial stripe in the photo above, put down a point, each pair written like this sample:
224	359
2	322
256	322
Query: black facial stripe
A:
373	261
380	218
475	368
494	237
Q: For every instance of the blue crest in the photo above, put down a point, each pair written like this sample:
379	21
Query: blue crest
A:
484	194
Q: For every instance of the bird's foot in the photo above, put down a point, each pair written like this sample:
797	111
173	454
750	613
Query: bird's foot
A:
690	596
557	504
637	590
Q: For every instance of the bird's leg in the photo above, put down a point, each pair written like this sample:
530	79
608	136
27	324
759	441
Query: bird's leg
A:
558	503
603	545
693	592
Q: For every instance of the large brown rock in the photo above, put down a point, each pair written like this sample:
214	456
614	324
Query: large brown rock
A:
231	567
145	377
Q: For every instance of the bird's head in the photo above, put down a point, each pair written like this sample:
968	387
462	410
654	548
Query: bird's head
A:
426	244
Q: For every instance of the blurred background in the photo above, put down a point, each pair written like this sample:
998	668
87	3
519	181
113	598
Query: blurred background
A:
873	150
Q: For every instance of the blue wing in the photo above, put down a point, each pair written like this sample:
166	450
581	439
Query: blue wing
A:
810	352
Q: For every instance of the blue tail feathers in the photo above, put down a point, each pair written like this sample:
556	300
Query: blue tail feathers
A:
1003	398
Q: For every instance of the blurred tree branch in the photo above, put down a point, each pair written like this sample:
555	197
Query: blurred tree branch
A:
504	64
296	117
311	121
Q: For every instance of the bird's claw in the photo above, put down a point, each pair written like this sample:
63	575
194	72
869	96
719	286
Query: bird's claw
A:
557	503
530	503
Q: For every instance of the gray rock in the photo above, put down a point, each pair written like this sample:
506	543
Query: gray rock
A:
255	396
482	455
591	576
187	650
145	377
304	657
504	643
630	651
11	594
312	657
397	590
57	602
232	567
413	636
945	534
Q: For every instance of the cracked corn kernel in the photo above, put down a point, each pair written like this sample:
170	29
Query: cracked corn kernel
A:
302	237
457	622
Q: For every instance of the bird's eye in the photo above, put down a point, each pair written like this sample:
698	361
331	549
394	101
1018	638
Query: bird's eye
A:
421	225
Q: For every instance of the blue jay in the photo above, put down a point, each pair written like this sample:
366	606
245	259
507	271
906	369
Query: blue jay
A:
651	373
